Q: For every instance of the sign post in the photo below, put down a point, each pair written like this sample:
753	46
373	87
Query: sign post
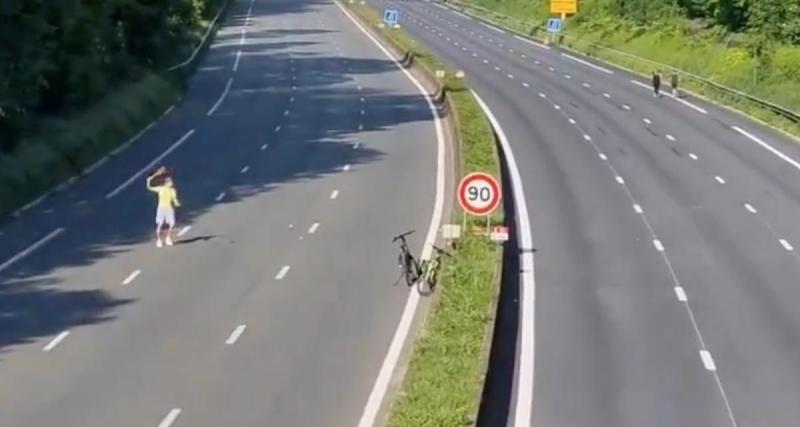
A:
561	8
479	194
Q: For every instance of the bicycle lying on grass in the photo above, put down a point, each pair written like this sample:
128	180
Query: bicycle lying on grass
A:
423	273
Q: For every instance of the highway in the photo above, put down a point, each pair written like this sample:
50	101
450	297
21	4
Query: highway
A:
298	151
666	237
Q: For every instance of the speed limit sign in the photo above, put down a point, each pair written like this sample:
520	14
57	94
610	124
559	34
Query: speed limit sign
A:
479	194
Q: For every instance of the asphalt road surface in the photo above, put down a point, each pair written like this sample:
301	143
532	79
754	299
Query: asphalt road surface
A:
666	232
298	151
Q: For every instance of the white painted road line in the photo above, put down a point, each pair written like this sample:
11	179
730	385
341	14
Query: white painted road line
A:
719	179
571	120
620	180
531	42
587	63
658	245
493	28
708	361
184	230
485	61
55	341
170	418
286	113
626	106
669	95
525	84
220	196
681	294
345	168
670	137
607	95
542	95
646	120
236	61
131	277
602	156
282	273
750	208
638	209
36	245
234	336
586	85
497	68
334	194
556	106
587	137
221	97
567	76
693	156
526	348
786	245
768	147
264	147
510	76
277	128
150	165
313	228
380	387
245	169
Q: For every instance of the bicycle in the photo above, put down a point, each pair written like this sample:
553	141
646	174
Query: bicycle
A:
406	261
430	271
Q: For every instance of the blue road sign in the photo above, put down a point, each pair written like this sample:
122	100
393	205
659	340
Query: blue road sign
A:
554	25
391	17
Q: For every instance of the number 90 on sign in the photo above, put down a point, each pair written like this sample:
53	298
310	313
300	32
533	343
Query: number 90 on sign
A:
479	194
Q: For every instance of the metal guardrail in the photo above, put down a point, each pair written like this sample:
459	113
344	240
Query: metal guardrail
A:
769	105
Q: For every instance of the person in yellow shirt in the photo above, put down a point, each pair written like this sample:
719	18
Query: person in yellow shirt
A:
167	202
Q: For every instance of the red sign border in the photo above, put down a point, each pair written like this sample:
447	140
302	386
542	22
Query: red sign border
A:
462	186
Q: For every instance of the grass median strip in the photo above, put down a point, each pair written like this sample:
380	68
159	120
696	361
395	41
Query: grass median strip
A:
445	376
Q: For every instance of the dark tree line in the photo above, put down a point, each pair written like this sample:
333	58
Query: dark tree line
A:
60	55
776	19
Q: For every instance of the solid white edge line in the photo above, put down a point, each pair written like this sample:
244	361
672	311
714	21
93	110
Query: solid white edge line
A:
170	418
491	27
766	146
236	61
55	341
221	97
708	361
379	389
680	294
524	377
282	272
150	165
27	251
235	334
587	63
531	42
131	277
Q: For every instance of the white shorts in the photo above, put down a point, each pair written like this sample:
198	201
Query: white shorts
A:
165	216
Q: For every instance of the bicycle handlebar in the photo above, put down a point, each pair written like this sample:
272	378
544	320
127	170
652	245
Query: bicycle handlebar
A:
402	236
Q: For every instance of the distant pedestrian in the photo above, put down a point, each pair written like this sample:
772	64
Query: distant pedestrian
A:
674	82
656	84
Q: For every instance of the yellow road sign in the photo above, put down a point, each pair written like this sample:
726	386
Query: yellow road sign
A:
564	6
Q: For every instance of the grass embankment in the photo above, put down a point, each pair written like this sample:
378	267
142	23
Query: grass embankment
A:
675	42
443	384
63	147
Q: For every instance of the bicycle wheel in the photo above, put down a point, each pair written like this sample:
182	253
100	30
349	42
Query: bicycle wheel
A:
411	270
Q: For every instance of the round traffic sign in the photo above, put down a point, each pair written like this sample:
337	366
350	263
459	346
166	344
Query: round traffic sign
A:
479	194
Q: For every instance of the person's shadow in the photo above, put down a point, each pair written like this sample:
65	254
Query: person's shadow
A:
196	239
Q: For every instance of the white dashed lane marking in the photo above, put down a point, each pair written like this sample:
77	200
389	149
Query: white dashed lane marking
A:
334	194
234	336
638	209
658	245
786	245
750	208
313	228
55	341
693	156
131	277
708	361
184	230
220	196
681	294
719	179
282	272
170	418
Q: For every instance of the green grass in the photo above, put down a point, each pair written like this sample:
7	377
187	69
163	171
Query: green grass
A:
67	145
677	43
445	377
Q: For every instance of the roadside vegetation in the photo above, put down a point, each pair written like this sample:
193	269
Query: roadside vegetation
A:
751	46
445	376
77	79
